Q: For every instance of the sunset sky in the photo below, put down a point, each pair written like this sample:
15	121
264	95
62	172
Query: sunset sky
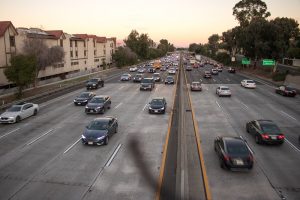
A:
180	22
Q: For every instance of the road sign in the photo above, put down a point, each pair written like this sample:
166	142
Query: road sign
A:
245	61
268	62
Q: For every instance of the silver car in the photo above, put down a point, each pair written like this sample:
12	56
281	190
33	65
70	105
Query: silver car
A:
223	91
18	112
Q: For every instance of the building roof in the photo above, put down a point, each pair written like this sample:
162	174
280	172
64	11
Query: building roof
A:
4	25
56	33
82	36
101	39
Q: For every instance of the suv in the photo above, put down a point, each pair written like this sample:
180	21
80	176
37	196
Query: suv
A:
94	83
147	84
98	104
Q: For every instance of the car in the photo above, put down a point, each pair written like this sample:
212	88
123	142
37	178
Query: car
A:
98	104
125	77
207	74
156	77
231	70
169	80
151	70
147	84
138	77
196	86
99	131
83	98
163	68
214	71
223	91
265	131
157	105
141	70
220	69
133	69
188	68
172	71
18	112
94	83
286	91
248	84
233	152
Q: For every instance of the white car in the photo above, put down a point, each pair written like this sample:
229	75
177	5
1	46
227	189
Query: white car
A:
141	70
126	77
172	71
18	112
248	84
133	69
223	91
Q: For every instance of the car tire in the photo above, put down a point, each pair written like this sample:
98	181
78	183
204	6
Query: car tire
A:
18	119
35	112
257	140
106	141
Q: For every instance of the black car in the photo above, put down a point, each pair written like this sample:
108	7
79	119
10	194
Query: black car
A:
147	84
98	104
94	83
99	130
286	91
231	70
158	105
233	152
138	77
83	98
169	80
265	131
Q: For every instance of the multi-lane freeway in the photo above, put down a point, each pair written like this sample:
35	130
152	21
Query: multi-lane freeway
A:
42	157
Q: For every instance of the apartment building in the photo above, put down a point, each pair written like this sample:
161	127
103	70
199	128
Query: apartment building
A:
83	53
7	47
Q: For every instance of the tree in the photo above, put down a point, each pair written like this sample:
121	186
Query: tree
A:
21	72
247	10
132	41
44	55
124	56
143	46
213	42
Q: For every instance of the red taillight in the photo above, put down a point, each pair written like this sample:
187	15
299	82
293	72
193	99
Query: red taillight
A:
280	137
265	136
226	158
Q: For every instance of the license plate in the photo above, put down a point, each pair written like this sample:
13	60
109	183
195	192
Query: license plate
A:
156	111
273	137
90	143
78	103
239	162
91	110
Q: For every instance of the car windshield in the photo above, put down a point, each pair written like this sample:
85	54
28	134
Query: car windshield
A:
93	80
157	102
125	75
195	84
98	125
270	128
237	149
84	95
97	100
224	88
147	81
250	81
14	109
169	78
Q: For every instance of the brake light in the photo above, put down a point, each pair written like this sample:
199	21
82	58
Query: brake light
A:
265	136
226	157
280	137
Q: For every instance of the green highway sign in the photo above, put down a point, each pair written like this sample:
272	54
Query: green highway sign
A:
268	62
245	61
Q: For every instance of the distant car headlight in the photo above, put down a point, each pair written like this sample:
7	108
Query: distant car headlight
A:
86	107
83	137
101	138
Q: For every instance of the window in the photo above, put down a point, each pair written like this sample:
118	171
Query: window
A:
96	60
76	53
70	43
76	43
12	41
84	52
71	54
74	63
83	43
104	52
61	43
95	52
94	43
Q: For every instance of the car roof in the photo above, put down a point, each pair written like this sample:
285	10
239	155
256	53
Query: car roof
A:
157	73
158	98
170	77
223	86
265	121
105	119
149	78
195	82
100	96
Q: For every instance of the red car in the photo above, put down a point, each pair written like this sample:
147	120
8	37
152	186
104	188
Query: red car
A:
286	91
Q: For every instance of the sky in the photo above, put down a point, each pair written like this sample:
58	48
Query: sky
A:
181	22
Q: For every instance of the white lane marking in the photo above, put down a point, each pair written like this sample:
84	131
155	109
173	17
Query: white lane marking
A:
70	104
121	87
113	156
288	115
293	146
36	139
145	107
218	104
68	149
243	104
118	105
228	79
214	80
9	132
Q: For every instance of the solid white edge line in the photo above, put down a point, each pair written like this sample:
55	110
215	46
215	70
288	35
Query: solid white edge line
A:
68	149
288	115
218	104
9	132
293	146
118	105
32	141
121	87
113	155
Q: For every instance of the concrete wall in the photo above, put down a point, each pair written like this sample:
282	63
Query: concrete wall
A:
293	81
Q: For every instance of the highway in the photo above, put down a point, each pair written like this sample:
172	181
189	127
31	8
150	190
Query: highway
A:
42	157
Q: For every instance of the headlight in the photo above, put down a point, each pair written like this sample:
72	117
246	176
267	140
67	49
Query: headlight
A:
74	100
98	108
85	100
162	108
101	138
83	137
86	107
